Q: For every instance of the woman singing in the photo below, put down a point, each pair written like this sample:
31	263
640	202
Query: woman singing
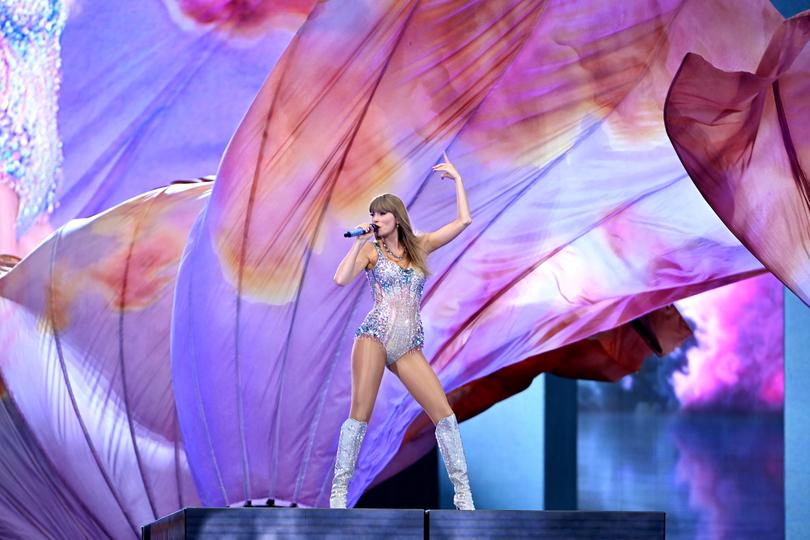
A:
391	334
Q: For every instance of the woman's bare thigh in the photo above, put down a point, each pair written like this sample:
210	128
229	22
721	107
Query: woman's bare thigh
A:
423	384
9	205
368	365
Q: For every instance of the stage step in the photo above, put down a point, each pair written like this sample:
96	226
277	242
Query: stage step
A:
367	523
548	525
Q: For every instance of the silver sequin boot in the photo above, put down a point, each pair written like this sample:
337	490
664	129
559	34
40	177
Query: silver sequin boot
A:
449	438
351	437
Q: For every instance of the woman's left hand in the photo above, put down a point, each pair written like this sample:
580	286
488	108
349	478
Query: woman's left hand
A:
447	169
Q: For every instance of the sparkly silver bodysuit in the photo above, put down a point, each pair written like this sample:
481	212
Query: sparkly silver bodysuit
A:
394	320
30	149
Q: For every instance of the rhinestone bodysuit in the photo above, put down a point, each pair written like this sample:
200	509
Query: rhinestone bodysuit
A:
30	149
394	321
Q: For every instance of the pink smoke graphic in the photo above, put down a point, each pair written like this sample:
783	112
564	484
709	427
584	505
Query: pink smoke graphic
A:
738	363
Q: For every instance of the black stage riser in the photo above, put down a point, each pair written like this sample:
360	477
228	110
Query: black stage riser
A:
362	523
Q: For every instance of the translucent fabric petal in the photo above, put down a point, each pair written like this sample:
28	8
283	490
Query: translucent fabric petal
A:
36	501
152	90
261	317
84	330
583	216
744	138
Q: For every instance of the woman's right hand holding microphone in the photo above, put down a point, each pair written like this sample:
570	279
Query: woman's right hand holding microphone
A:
363	238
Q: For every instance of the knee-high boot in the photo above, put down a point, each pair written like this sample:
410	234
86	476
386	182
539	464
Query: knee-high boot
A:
352	433
449	438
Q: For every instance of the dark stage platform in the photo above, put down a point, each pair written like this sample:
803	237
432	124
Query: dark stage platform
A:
354	524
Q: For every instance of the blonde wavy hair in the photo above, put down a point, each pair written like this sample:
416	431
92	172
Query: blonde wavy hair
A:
414	249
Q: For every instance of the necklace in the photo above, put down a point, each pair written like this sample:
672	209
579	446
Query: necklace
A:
399	258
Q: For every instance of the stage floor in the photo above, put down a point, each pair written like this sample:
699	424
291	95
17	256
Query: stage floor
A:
354	524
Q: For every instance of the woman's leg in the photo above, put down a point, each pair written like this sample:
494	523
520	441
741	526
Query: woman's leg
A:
39	231
423	384
9	203
368	364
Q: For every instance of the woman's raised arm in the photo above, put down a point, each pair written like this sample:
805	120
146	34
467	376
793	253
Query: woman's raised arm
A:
436	239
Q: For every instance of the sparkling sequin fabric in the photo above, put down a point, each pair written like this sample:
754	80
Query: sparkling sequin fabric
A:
449	438
351	437
394	320
30	148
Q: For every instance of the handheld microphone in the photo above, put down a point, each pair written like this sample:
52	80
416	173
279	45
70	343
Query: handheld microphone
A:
359	231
